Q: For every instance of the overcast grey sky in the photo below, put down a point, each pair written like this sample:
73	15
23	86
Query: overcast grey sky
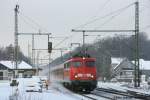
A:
60	16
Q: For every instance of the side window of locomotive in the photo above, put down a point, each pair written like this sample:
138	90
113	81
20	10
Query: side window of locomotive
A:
90	63
66	66
76	64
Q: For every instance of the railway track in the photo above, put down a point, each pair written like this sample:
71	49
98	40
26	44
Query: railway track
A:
89	97
113	94
96	95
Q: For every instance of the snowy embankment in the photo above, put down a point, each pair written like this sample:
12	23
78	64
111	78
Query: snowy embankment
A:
143	89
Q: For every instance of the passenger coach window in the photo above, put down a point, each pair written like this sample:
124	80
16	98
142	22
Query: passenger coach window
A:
76	64
90	63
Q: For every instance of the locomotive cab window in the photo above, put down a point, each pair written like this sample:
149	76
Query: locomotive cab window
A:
90	63
76	64
67	65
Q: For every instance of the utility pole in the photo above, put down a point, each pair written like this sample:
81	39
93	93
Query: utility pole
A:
16	41
49	67
137	63
29	53
33	52
84	42
49	60
37	64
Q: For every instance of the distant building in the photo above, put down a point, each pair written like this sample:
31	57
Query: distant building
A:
115	62
124	70
7	70
145	68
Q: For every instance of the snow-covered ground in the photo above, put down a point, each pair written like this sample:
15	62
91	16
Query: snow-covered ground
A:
5	90
57	91
144	87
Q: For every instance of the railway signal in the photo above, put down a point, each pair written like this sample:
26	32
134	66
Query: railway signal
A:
49	47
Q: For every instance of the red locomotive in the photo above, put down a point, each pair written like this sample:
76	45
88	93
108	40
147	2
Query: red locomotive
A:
79	73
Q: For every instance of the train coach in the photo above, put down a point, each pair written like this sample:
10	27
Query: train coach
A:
78	73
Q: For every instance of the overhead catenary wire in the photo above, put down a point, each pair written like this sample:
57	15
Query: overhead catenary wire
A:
34	22
145	7
110	14
24	17
39	26
101	9
100	18
119	11
24	20
61	41
90	22
111	18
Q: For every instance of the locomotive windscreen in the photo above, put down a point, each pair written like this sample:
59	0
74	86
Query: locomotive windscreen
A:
76	64
90	63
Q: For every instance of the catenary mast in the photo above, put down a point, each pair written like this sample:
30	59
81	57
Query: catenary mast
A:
16	40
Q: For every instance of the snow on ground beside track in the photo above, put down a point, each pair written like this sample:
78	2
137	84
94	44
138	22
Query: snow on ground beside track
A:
6	90
67	92
54	92
124	87
111	85
50	94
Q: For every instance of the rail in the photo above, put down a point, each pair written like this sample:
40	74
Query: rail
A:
127	94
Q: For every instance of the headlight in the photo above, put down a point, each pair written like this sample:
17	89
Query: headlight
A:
76	76
92	76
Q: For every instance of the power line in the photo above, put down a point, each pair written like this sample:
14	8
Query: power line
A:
89	22
61	41
23	19
120	10
101	8
104	5
112	17
31	20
